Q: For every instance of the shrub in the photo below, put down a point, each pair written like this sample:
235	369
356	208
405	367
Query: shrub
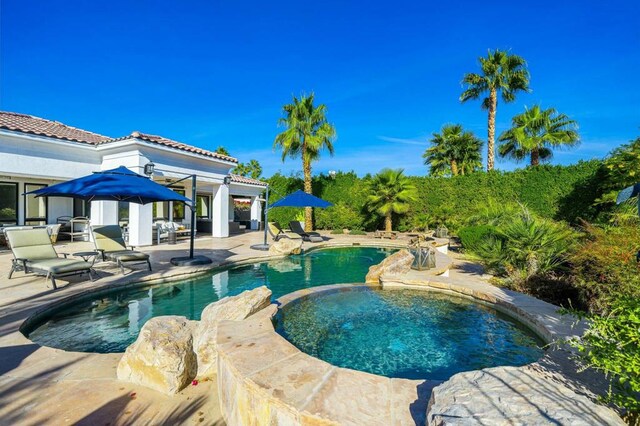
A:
338	216
337	232
612	345
357	232
604	266
471	236
525	248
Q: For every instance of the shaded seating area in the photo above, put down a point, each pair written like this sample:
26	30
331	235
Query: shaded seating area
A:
109	242
313	237
33	252
276	232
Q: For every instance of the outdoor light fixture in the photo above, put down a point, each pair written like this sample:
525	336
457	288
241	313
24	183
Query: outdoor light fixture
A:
148	168
332	174
227	180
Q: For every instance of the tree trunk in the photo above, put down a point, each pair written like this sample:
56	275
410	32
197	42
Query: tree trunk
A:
535	157
306	166
454	168
388	226
493	105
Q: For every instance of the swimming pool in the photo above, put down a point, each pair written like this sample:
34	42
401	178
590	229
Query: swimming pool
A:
110	323
408	334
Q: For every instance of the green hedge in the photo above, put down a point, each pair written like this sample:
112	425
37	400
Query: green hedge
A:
471	236
556	192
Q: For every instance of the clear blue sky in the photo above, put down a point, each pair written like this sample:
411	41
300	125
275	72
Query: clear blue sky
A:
215	73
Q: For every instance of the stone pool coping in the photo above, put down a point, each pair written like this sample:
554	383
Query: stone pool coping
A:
39	314
85	384
264	379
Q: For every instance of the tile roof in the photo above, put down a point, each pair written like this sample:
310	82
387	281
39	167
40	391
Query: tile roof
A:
174	144
250	181
42	127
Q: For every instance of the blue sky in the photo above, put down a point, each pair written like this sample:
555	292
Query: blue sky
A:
217	73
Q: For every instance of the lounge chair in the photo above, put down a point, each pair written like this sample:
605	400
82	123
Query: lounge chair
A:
277	232
33	252
296	227
110	243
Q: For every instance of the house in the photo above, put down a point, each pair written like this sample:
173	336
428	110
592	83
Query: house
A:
35	152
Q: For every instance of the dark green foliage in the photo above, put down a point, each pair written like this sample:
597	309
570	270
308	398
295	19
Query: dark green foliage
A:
471	236
612	345
557	192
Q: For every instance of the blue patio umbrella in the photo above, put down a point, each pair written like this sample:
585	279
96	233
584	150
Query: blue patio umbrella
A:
301	199
119	184
629	192
296	199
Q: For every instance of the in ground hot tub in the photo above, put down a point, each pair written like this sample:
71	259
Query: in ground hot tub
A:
408	334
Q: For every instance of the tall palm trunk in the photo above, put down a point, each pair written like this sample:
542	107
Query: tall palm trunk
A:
306	167
388	226
535	156
493	105
454	167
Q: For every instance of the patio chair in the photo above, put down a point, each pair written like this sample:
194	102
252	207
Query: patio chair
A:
277	232
296	227
110	243
33	252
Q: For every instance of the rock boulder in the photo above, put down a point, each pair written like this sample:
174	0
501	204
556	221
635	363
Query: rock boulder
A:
162	357
233	308
397	264
286	246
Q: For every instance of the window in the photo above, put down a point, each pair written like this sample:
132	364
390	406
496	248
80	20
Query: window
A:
35	209
203	206
161	211
123	211
81	208
178	207
8	203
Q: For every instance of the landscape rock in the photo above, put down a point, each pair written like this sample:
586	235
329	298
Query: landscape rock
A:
162	357
234	308
397	264
512	395
286	246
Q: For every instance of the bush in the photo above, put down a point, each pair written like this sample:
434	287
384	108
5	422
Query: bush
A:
554	192
525	248
612	345
338	216
471	236
604	266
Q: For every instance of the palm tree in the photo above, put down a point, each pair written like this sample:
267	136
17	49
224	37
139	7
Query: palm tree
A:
253	169
390	192
222	150
535	132
307	133
501	72
454	151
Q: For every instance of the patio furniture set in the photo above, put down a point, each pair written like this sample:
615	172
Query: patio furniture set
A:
33	252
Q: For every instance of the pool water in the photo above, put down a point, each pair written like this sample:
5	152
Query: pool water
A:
407	334
110	323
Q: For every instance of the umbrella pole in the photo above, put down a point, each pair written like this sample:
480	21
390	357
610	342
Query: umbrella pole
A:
194	205
264	246
192	260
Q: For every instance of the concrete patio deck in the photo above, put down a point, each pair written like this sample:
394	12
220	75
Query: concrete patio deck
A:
41	385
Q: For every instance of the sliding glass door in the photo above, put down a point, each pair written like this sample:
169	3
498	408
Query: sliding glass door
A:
35	209
8	203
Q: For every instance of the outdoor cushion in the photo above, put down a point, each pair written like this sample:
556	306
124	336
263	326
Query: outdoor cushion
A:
31	244
108	238
59	266
126	255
